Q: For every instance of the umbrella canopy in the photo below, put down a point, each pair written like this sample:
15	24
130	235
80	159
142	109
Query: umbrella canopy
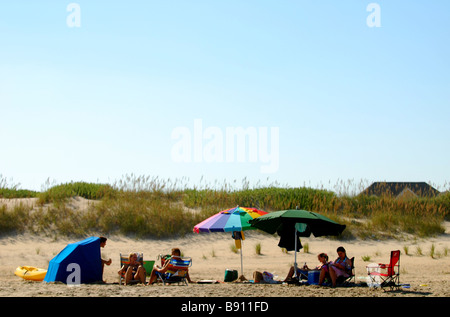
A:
230	220
294	223
313	222
233	219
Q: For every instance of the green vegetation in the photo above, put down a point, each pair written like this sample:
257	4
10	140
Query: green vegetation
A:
151	207
86	190
258	249
17	193
12	191
366	258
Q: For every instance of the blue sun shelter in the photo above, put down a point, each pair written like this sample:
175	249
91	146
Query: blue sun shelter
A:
77	263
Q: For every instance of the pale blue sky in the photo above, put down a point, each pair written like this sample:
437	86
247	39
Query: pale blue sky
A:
100	101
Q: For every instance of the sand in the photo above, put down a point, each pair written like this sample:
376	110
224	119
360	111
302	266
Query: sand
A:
211	253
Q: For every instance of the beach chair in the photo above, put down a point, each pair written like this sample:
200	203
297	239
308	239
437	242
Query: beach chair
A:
351	279
148	266
302	275
177	270
387	275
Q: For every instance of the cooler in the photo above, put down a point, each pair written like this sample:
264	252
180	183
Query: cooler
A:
313	277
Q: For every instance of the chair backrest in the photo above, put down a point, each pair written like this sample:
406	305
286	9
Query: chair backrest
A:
353	266
124	258
164	258
394	261
179	265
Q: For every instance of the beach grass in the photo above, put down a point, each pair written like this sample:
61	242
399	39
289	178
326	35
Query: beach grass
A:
11	190
61	192
258	249
153	207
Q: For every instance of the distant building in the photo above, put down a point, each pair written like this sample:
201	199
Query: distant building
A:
401	189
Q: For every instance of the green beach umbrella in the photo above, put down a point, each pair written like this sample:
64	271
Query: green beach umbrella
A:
309	222
296	222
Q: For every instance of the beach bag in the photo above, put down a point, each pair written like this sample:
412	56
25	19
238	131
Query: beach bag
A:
268	277
230	275
264	277
258	277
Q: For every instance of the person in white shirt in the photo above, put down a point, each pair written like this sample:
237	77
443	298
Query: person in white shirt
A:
105	259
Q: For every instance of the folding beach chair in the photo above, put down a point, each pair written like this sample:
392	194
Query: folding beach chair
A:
177	270
387	274
351	279
148	266
302	275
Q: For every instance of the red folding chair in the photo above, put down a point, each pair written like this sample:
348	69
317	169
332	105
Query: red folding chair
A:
387	275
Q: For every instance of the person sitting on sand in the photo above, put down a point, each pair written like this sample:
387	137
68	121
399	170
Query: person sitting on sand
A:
323	259
176	253
134	270
341	267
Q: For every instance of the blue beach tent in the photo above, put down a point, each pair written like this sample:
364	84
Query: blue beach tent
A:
78	262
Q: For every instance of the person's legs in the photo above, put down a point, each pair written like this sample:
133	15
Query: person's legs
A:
152	278
322	276
333	276
140	274
128	275
188	278
290	274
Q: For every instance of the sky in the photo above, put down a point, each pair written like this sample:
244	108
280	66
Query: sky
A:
289	92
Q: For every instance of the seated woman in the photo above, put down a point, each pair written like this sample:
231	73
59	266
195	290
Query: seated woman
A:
165	269
134	271
341	267
323	259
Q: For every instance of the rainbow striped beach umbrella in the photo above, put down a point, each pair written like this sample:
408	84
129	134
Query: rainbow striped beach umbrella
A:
231	220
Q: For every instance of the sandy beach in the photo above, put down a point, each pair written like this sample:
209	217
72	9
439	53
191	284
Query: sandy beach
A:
212	255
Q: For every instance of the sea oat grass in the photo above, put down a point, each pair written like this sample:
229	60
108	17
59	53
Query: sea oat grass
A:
142	214
150	206
62	192
14	219
258	248
10	190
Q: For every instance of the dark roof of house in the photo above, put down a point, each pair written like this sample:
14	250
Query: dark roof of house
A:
421	189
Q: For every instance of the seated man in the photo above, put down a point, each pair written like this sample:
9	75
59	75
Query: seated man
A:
134	270
166	270
105	259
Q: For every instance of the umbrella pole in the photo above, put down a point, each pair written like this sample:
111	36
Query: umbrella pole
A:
242	266
295	254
